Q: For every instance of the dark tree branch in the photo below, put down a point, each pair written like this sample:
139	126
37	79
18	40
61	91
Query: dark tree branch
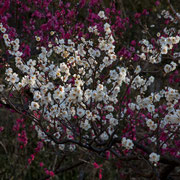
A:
173	10
163	159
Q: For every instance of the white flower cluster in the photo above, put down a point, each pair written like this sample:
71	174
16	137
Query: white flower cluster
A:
139	82
170	67
75	85
173	117
127	143
151	125
172	98
167	43
145	103
76	89
152	54
168	16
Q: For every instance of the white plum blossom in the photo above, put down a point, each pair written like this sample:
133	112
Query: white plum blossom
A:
154	158
167	68
151	108
101	14
104	136
164	50
13	78
138	69
37	95
80	112
85	125
34	106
